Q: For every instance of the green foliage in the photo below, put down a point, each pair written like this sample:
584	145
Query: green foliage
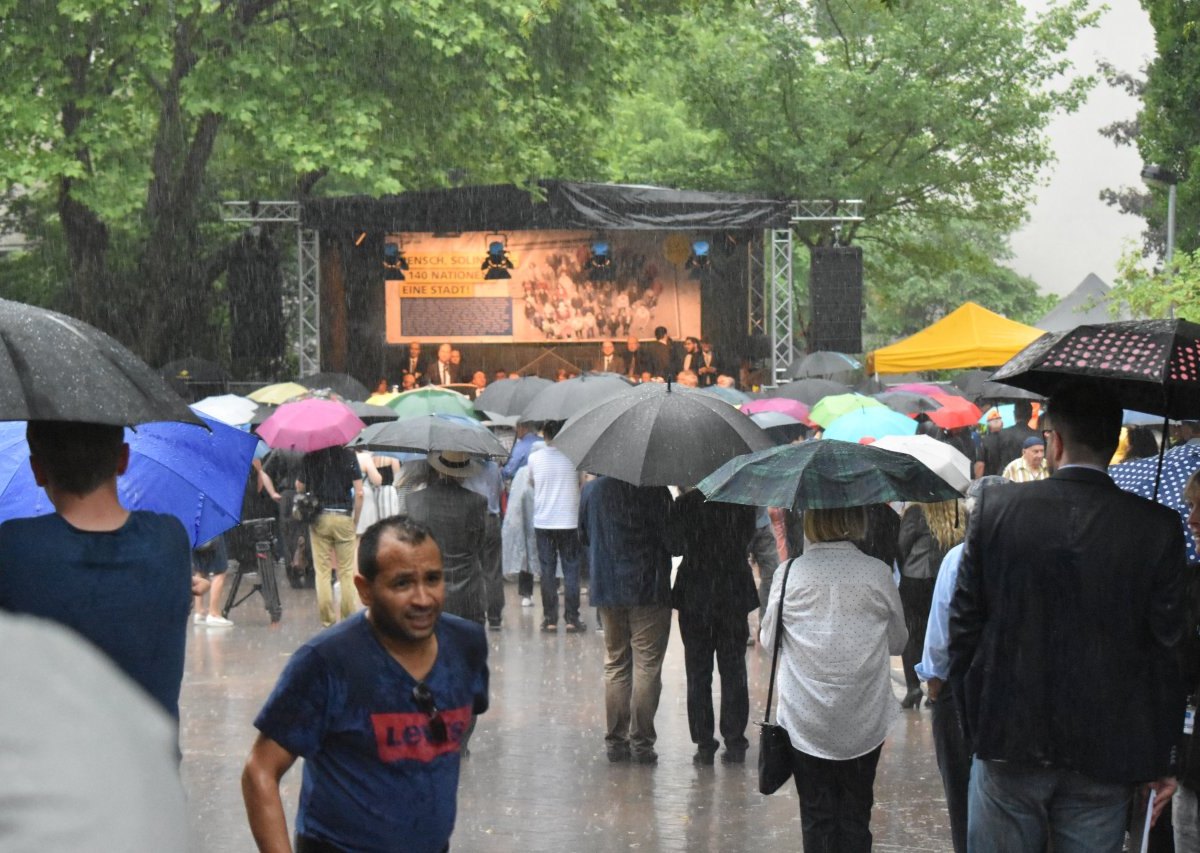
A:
1169	122
1166	291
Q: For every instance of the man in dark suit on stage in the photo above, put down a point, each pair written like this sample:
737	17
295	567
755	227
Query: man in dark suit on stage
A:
690	360
414	365
634	358
608	361
442	371
1063	628
657	354
708	365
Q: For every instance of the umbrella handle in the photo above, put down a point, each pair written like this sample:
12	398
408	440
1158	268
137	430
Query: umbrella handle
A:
1162	449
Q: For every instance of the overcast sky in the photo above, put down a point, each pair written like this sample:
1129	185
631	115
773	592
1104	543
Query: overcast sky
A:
1071	232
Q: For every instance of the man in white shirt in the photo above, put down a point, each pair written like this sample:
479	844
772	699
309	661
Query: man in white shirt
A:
555	521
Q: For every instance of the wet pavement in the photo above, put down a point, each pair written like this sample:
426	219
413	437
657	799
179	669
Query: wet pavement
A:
537	778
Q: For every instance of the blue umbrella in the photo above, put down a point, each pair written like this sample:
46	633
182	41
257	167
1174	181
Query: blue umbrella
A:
183	470
1178	464
1008	415
870	423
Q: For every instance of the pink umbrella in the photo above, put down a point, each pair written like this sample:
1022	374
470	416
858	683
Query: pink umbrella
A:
311	424
792	408
918	388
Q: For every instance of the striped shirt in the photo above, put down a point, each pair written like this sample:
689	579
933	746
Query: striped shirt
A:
1018	472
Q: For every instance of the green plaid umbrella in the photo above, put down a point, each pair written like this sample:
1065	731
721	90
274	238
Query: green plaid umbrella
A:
824	474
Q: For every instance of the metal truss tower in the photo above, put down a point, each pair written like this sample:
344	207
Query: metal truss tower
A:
307	279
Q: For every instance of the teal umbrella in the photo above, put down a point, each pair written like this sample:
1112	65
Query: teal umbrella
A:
824	474
870	423
431	401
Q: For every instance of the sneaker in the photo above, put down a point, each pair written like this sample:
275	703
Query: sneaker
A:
199	619
493	624
218	622
619	753
575	626
549	627
527	601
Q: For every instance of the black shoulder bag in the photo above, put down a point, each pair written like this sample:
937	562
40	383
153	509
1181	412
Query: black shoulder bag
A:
774	747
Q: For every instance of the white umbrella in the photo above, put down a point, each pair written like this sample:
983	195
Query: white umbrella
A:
940	458
227	408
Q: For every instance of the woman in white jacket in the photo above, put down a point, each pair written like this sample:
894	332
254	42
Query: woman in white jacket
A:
842	620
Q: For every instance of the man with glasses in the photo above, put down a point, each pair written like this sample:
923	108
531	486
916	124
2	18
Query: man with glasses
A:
379	707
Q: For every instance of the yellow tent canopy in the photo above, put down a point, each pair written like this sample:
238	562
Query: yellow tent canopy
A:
969	336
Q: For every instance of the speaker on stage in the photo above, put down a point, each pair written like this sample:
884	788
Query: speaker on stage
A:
835	296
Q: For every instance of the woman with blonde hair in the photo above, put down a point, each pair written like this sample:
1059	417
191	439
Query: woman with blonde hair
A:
927	532
842	620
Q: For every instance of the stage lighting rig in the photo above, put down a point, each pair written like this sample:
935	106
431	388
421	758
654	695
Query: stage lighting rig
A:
698	262
394	261
497	262
599	265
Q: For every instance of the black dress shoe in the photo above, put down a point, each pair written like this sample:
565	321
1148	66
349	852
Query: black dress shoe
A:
913	698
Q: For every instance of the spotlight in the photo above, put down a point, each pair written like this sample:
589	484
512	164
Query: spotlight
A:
698	261
497	263
394	261
600	266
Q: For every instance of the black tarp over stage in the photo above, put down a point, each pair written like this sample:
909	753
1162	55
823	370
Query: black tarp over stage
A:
352	293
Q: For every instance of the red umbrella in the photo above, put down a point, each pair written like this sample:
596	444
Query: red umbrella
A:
309	425
955	412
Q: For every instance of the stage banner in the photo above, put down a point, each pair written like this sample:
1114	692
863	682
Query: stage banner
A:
534	286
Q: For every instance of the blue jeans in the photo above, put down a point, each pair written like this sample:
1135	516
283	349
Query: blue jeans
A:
1014	809
551	545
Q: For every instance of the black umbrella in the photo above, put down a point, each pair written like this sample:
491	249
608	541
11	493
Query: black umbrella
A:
908	402
998	392
824	364
370	414
811	391
659	434
970	381
344	385
56	368
562	400
431	432
510	396
824	474
1147	365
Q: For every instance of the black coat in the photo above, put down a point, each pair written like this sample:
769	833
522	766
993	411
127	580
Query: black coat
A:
715	576
1063	628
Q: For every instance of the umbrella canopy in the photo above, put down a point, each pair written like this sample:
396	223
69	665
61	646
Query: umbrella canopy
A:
227	408
432	432
939	457
279	392
1149	365
780	427
955	412
908	402
732	396
56	368
431	400
823	364
197	475
831	408
658	435
342	384
998	391
870	423
309	425
970	381
369	413
824	474
563	400
1178	464
510	396
811	391
794	408
382	399
1007	412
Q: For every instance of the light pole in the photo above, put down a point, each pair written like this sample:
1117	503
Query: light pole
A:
1158	176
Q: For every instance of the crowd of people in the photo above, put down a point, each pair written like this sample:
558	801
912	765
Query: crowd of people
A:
1048	621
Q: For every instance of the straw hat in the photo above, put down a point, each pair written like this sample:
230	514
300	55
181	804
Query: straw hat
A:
454	463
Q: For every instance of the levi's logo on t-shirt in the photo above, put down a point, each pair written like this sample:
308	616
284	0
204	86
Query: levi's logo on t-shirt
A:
405	737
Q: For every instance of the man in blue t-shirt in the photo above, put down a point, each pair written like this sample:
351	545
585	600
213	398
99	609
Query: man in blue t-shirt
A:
378	706
120	579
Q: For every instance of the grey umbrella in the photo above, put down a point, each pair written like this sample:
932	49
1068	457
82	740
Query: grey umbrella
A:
562	400
811	391
824	364
431	432
56	368
659	435
342	384
371	414
509	396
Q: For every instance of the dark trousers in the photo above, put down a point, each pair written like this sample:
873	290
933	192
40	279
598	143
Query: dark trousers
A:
766	555
916	595
493	576
525	584
552	545
835	801
724	636
954	764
